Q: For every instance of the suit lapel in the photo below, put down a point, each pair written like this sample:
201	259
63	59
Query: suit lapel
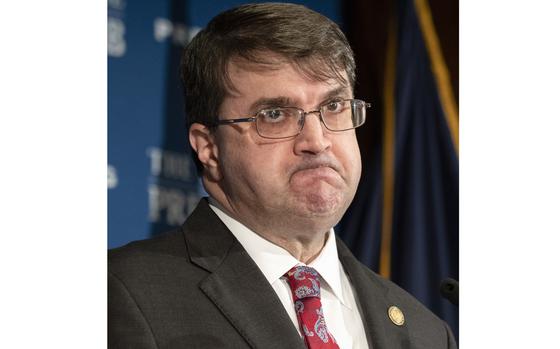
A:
236	285
375	301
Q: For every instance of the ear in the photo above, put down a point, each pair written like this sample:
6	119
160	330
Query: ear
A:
203	143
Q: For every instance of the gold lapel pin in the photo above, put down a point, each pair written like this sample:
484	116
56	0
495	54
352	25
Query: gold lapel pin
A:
396	315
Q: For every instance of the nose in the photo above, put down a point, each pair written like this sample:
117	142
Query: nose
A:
312	138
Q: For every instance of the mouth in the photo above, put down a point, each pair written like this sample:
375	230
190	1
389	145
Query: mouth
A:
309	174
317	164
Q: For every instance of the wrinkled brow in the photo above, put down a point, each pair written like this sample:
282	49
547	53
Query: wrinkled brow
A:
284	101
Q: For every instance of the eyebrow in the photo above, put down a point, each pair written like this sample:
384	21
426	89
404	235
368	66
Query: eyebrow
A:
341	91
285	101
270	102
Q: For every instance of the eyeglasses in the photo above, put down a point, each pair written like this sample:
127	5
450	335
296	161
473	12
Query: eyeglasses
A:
286	122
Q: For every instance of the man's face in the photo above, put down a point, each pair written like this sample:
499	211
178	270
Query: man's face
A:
303	182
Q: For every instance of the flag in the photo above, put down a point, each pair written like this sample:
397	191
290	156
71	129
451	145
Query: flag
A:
404	220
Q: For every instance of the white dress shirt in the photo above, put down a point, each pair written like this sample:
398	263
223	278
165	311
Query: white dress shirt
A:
341	311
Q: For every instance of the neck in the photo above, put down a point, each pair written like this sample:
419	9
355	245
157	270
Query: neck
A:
303	250
303	244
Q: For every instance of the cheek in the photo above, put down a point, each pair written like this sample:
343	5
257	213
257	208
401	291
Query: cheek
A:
358	160
272	160
255	169
350	158
268	168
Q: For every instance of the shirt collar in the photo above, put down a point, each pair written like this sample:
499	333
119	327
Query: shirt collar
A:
328	266
274	261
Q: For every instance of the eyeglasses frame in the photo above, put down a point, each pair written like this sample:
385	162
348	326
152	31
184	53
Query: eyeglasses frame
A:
302	113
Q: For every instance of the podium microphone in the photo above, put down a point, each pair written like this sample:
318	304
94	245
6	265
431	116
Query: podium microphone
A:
449	289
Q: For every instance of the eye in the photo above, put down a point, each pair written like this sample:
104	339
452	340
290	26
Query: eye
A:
273	115
335	106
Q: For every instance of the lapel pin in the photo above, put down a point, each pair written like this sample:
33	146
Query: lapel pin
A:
396	315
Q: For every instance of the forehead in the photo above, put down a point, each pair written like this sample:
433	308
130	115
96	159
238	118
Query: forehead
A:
279	79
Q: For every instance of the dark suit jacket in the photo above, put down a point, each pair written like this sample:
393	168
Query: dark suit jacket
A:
196	287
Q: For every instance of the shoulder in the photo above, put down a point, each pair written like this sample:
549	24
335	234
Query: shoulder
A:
402	298
157	260
166	246
173	257
367	282
377	295
154	271
153	292
422	324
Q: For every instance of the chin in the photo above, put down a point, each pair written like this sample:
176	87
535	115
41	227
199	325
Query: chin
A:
317	205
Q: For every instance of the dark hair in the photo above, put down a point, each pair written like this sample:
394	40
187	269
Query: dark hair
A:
305	38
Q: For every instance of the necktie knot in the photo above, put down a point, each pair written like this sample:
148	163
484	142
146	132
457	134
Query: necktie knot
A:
304	282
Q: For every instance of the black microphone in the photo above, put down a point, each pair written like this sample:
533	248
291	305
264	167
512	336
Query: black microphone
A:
449	289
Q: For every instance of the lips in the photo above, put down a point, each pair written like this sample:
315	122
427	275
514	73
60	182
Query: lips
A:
318	171
311	175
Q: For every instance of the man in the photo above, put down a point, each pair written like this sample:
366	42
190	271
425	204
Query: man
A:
271	116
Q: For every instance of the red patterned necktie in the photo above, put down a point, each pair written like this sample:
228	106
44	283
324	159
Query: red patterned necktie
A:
306	291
